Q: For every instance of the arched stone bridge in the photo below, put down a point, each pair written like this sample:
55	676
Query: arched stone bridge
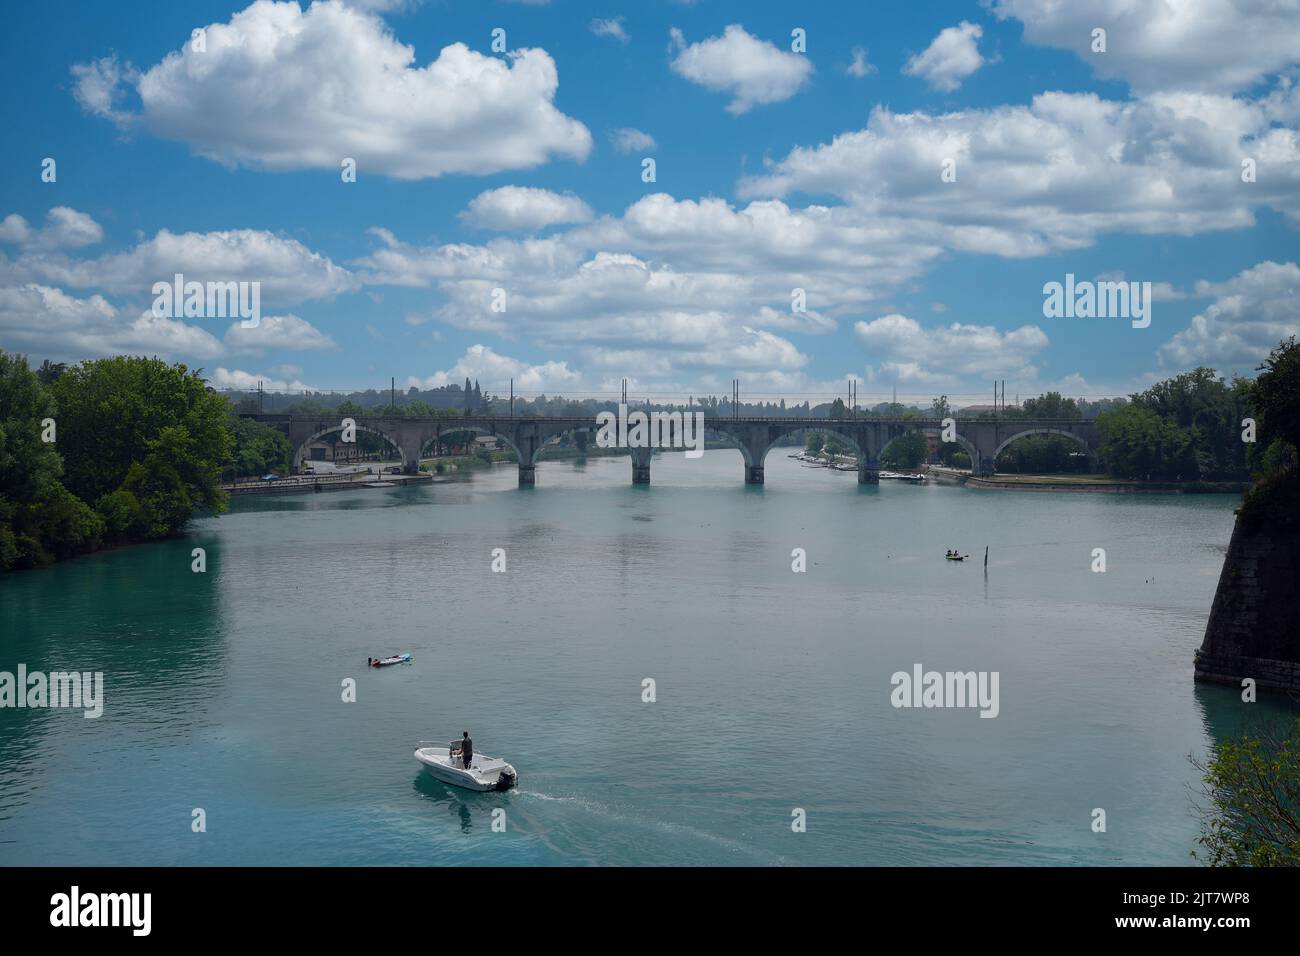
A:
981	438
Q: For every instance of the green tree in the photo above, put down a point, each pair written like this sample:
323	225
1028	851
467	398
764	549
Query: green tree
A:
1209	410
1252	785
39	520
28	465
839	409
1276	393
1050	405
149	428
258	449
1138	443
812	443
906	451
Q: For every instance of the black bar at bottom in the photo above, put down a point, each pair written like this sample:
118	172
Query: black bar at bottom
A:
331	905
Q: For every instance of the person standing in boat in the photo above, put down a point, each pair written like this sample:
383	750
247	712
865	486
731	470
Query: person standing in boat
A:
466	748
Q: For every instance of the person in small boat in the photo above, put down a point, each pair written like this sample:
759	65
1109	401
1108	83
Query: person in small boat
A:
466	748
949	553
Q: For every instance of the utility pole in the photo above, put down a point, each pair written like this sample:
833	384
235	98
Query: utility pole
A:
392	394
512	398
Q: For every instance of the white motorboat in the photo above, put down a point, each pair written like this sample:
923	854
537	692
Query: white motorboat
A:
483	773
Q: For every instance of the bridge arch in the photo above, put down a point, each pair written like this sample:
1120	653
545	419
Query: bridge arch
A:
1078	440
725	437
966	444
552	439
302	446
428	439
795	428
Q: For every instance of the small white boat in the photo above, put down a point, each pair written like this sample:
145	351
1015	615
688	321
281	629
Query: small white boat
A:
483	773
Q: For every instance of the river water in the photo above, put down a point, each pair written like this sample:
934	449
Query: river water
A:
223	690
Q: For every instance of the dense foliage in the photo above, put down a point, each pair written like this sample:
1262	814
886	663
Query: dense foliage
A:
136	450
1252	786
258	449
906	451
1186	428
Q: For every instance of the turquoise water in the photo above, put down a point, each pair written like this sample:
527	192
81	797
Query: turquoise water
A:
223	690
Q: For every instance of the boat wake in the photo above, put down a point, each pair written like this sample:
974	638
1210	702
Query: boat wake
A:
663	826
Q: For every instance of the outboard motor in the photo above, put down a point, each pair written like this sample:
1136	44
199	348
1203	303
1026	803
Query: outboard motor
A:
506	780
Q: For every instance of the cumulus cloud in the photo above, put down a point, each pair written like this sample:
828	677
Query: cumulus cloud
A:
238	379
1056	173
288	271
484	365
97	86
612	27
951	56
696	283
909	353
859	67
631	140
524	208
1250	314
64	229
667	269
281	88
1207	46
752	71
49	322
279	332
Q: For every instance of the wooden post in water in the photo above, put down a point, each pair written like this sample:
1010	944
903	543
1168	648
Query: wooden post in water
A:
986	557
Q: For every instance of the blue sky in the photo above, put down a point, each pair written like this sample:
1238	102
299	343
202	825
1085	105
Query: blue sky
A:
775	169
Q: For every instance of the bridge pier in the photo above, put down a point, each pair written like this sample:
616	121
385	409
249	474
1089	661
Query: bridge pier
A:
985	469
527	474
868	471
641	465
753	474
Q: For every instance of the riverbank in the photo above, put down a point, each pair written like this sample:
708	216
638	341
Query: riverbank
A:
316	483
1085	483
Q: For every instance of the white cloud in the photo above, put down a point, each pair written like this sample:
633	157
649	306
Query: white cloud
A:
282	88
1209	45
279	332
288	271
612	27
494	370
48	322
752	71
99	86
667	270
524	208
911	354
701	285
859	67
951	56
631	140
64	229
1250	314
1055	174
226	378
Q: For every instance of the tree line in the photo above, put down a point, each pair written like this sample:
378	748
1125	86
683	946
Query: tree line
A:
105	452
